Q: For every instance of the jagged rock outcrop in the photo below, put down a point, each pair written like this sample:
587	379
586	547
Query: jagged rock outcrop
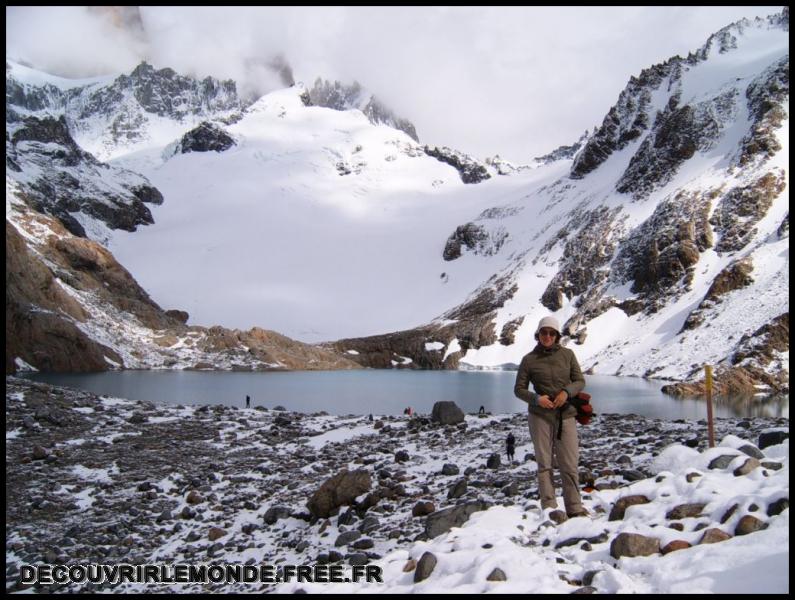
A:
665	248
766	96
627	120
563	152
756	350
121	107
41	317
475	238
507	335
470	170
503	167
163	92
345	97
678	133
735	276
592	238
741	208
58	178
207	137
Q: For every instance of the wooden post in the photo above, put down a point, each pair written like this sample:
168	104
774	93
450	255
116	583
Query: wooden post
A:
708	382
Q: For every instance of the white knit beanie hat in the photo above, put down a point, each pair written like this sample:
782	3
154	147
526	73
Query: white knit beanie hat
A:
550	322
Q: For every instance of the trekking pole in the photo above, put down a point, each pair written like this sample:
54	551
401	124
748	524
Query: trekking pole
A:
708	383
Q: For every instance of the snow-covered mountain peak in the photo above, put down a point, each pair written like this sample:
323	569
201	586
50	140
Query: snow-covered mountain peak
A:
346	97
740	33
278	102
113	116
30	76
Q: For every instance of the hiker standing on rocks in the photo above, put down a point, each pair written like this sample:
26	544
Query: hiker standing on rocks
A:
248	401
556	376
510	446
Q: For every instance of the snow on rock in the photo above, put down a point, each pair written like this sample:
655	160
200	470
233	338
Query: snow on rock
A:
251	472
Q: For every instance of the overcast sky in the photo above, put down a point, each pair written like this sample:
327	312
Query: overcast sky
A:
514	81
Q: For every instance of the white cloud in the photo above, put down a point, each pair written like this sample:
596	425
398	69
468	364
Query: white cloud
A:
518	81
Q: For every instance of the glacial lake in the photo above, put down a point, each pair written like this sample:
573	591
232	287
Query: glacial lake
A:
382	392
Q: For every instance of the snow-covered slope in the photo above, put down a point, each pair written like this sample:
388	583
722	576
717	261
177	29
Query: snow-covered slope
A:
683	175
316	221
322	225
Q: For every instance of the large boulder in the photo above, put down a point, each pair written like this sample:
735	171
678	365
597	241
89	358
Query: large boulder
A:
207	137
337	491
471	171
634	544
444	520
447	413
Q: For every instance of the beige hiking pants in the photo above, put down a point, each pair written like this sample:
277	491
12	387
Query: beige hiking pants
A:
567	452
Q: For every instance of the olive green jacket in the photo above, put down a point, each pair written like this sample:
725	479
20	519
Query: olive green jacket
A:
549	370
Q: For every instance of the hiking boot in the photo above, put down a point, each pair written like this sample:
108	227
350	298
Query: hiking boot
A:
579	513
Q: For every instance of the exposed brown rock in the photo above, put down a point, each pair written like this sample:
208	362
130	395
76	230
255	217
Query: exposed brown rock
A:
735	276
753	353
685	510
748	524
507	335
633	544
474	327
590	246
674	546
39	317
659	256
273	347
714	535
180	315
338	490
623	503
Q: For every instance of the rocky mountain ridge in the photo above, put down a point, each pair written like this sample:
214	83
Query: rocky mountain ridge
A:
603	247
71	307
114	113
63	180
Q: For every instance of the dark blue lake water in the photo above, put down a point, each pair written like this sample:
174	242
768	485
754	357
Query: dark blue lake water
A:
391	391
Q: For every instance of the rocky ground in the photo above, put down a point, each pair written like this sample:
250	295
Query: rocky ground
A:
104	480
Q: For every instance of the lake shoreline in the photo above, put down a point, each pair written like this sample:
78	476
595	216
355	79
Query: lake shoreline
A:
389	391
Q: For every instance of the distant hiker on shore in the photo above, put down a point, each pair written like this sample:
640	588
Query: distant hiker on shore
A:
482	410
248	401
510	446
556	376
